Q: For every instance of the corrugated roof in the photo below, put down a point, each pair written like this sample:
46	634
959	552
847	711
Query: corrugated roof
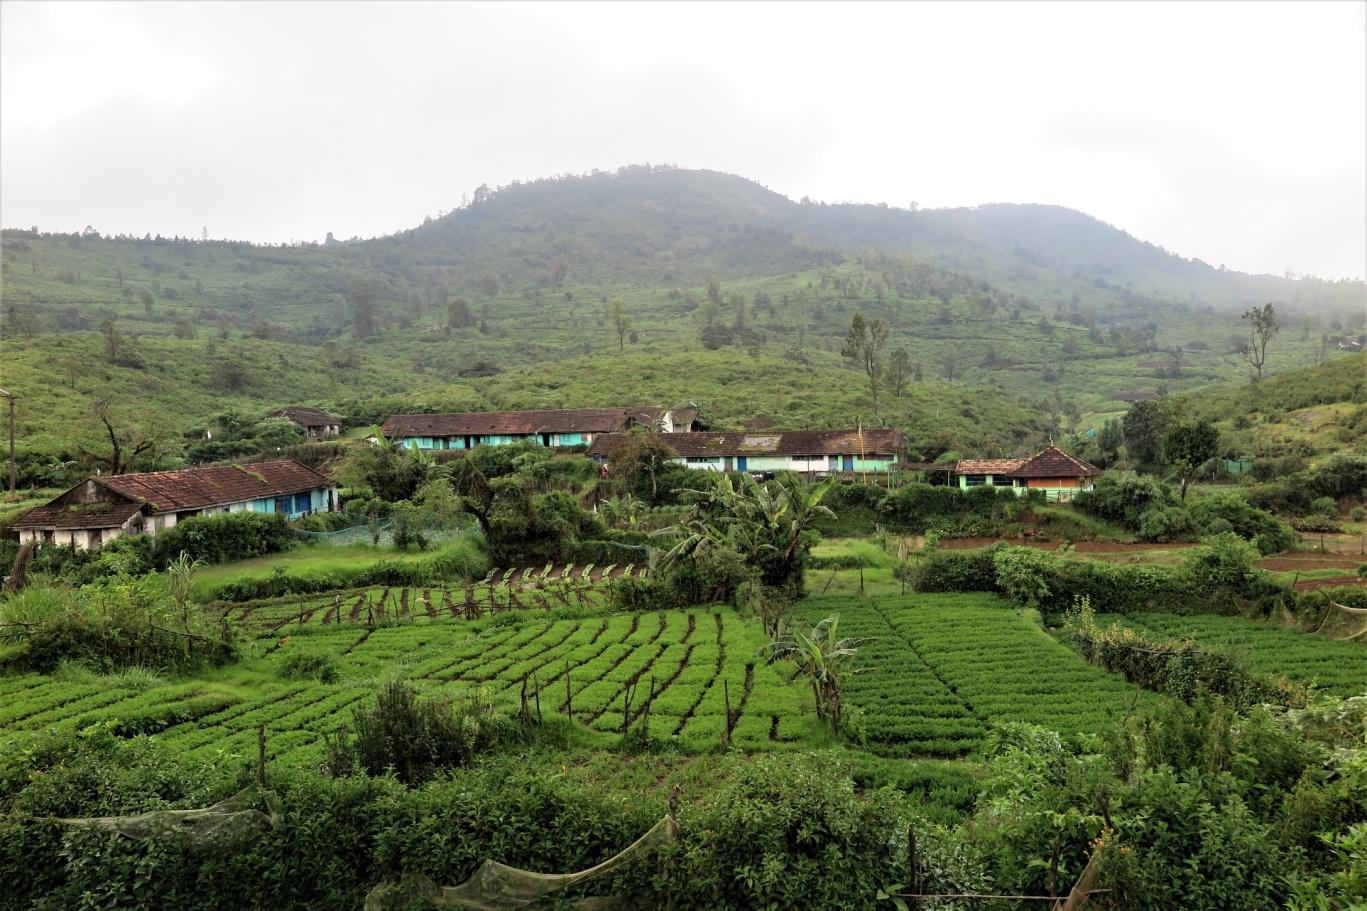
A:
94	515
485	423
309	417
988	466
214	485
784	442
1055	463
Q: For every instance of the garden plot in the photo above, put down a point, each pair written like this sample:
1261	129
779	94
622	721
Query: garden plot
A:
1338	668
940	669
601	670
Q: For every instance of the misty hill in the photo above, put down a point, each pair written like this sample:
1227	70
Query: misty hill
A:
1044	316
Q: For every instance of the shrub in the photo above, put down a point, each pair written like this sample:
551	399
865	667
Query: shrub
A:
224	538
1212	514
960	571
1124	497
415	736
1023	573
106	627
1164	523
1325	506
1357	514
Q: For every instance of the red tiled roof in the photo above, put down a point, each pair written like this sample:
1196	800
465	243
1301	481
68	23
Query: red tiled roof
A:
760	443
988	466
487	423
214	485
94	515
1055	463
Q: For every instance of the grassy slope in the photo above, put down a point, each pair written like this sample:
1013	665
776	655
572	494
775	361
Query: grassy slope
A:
1014	314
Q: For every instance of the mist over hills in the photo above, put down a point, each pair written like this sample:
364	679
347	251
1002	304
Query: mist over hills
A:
1019	322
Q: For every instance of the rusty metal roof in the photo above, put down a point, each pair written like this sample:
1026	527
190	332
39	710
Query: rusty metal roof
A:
93	515
988	466
308	417
759	443
214	485
491	423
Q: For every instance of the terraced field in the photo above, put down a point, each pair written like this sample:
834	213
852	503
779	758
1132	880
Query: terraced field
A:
692	660
1337	668
942	668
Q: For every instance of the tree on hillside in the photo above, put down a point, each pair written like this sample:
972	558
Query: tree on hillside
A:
459	315
899	371
1262	326
1143	426
620	323
738	303
362	298
489	283
864	349
146	296
126	444
1188	446
949	361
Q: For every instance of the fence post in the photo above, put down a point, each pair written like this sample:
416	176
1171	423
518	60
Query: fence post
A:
569	693
261	755
914	872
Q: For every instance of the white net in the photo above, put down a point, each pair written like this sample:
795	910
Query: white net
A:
499	887
1344	623
245	815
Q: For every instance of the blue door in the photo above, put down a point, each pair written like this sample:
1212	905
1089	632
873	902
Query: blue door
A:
849	463
740	463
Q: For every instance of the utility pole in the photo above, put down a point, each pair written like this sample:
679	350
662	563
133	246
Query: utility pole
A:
11	396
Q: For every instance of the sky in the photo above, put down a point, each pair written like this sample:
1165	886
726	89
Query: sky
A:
1229	131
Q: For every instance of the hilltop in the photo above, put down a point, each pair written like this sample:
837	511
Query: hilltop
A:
1028	318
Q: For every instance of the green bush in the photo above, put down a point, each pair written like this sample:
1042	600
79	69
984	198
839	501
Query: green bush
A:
960	571
224	538
1124	497
1164	523
107	627
413	736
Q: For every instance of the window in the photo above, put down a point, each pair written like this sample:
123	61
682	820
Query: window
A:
975	480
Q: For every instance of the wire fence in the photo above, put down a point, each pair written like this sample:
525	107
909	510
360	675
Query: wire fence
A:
365	531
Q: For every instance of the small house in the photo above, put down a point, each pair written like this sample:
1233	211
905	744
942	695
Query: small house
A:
106	507
1052	471
319	425
573	427
819	452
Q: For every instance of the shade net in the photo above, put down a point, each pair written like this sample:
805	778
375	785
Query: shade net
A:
243	816
499	887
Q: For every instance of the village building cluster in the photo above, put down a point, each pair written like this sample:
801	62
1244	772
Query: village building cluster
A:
103	508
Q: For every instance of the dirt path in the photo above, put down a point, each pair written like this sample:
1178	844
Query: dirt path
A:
1082	547
1310	585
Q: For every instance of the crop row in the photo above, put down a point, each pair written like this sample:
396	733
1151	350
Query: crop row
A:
1336	667
686	668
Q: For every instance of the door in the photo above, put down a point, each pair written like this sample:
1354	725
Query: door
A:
849	463
740	463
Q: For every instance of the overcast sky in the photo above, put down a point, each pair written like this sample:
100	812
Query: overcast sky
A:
1233	132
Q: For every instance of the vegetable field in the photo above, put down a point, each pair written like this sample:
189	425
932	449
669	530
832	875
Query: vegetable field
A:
585	668
942	668
1337	668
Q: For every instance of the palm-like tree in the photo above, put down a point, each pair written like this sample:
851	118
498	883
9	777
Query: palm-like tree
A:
824	660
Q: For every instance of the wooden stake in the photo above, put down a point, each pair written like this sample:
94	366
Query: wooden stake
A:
569	692
726	692
261	755
536	691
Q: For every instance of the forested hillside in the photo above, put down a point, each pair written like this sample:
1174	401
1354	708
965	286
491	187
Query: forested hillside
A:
1005	323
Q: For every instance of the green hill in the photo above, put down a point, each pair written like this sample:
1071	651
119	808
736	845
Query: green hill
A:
1028	318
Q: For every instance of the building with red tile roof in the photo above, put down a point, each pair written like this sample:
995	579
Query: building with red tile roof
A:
1053	471
105	507
808	451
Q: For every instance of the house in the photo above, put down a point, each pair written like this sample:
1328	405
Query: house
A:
576	427
106	507
1052	470
319	425
810	451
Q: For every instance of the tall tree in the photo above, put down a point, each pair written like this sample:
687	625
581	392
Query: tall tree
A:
1262	327
899	370
621	324
1143	427
362	297
1188	446
864	349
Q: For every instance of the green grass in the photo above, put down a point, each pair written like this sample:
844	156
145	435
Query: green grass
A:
1337	668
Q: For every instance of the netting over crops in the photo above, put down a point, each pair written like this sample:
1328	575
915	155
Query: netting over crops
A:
243	816
499	887
1343	623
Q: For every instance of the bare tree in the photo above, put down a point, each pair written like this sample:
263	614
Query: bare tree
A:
864	349
1264	326
125	446
620	323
